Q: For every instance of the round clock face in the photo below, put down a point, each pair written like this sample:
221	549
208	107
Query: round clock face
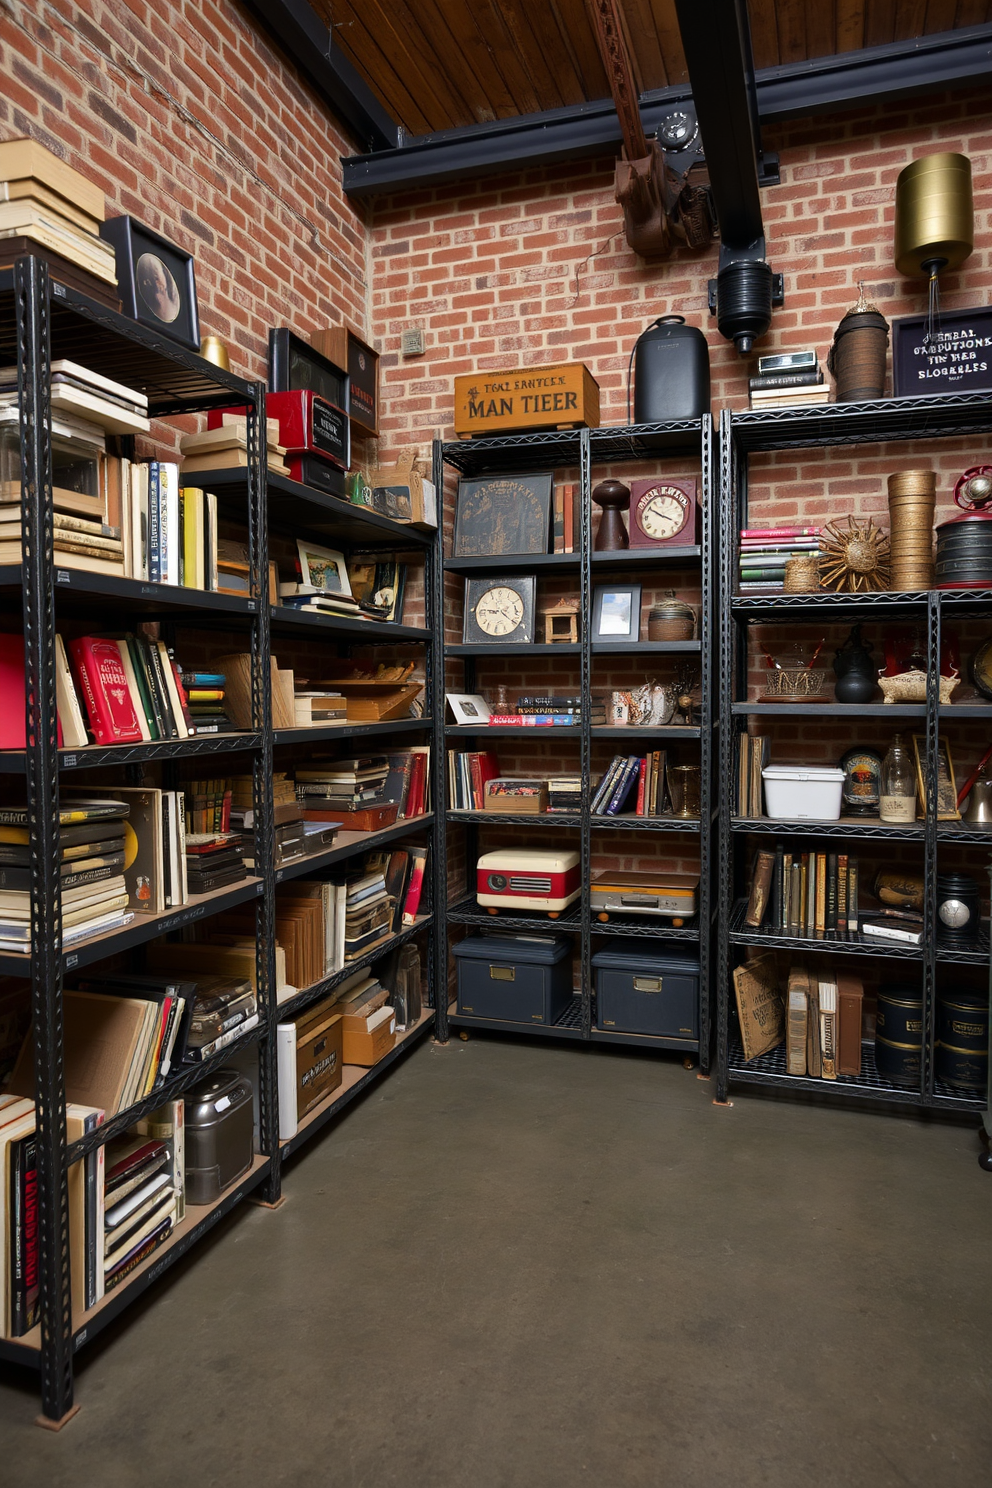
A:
954	914
662	513
499	611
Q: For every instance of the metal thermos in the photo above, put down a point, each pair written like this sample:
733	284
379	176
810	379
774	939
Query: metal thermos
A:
979	813
671	372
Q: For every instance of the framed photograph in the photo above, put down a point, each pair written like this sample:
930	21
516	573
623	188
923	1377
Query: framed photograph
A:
323	568
468	707
957	361
155	280
616	613
947	791
503	514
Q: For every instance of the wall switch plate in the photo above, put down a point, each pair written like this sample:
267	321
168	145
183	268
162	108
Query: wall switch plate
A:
412	343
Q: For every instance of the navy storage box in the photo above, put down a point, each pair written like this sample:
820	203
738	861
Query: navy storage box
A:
643	991
515	978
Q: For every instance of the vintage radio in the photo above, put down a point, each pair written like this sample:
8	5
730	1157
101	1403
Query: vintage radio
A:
673	896
528	878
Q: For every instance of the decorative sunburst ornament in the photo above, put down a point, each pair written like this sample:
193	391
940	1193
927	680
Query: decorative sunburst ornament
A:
855	558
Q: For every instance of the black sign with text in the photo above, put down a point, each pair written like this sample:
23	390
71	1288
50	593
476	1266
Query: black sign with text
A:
957	360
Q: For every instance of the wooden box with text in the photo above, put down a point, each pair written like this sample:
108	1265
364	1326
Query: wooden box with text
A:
529	398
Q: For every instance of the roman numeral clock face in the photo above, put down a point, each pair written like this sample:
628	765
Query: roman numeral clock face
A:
499	610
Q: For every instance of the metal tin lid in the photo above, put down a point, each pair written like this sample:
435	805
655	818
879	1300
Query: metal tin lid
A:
802	772
628	953
535	950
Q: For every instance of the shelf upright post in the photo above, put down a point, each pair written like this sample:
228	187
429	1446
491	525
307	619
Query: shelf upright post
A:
704	918
262	795
31	292
730	469
930	849
437	976
585	725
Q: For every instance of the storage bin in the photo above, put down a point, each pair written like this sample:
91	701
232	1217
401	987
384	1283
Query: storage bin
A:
798	792
219	1135
640	991
515	978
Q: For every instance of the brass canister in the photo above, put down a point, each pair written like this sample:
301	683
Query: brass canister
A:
934	213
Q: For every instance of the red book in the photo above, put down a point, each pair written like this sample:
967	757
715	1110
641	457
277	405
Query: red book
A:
415	795
13	693
770	534
418	862
478	788
489	766
568	497
642	776
108	697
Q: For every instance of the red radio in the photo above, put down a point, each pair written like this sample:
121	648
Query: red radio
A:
527	878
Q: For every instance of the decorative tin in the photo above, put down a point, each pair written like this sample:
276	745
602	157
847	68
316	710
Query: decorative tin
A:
899	1034
963	1034
862	789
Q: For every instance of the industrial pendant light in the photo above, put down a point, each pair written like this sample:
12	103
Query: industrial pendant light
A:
934	222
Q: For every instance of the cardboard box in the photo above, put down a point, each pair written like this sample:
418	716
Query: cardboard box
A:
565	396
362	1047
399	491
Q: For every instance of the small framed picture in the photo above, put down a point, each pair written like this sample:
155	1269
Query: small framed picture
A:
616	613
323	568
468	708
947	791
155	280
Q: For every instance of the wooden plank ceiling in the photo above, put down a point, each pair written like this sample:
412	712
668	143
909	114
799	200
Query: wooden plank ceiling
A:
441	64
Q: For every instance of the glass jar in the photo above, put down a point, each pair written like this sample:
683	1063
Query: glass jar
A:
897	801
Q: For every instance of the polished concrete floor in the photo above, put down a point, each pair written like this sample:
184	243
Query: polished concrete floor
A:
516	1265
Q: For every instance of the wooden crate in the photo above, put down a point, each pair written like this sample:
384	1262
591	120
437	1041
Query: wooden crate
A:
566	396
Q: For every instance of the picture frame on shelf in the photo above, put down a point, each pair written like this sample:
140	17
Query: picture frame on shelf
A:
616	613
156	280
947	791
496	514
500	610
468	707
323	568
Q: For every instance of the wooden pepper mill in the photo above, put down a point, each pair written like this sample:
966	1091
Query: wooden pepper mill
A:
614	497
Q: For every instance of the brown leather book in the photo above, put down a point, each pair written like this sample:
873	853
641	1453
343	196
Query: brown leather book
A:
850	995
797	1013
757	904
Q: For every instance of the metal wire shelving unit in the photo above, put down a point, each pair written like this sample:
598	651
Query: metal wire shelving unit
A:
585	451
853	424
41	320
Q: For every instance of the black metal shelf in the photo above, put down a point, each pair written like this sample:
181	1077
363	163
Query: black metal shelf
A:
645	926
328	733
514	562
629	821
647	557
513	731
673	731
356	842
504	453
937	416
845	827
297	505
966	711
287	621
643	1041
822	606
770	1069
850	944
569	1024
973	955
73	585
525	649
629	442
829	709
514	818
652	648
964	835
468	912
92	756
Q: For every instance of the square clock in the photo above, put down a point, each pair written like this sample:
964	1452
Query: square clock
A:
499	609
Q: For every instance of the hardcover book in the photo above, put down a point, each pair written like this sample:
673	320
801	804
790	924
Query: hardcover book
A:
111	710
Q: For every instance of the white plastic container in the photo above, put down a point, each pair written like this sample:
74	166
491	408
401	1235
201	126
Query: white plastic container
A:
801	792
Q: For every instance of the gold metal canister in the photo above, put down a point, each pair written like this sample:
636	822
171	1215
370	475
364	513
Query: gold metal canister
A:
934	213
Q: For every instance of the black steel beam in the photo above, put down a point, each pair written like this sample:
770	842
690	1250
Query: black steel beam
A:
925	64
309	44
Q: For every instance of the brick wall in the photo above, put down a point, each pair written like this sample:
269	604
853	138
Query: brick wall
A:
191	121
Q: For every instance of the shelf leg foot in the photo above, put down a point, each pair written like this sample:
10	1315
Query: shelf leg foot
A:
47	1424
701	1076
265	1203
440	1043
463	1035
723	1104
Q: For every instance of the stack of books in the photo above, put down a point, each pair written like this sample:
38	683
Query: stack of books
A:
316	708
753	750
205	692
810	894
226	448
468	772
130	686
213	861
94	894
638	781
788	379
824	1022
534	711
342	786
52	211
289	838
155	863
208	806
368	914
313	601
143	1195
566	515
766	550
565	793
225	1008
79	394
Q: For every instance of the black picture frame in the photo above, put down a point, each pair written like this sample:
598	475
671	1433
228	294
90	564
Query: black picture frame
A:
496	514
627	609
295	365
523	585
960	362
156	280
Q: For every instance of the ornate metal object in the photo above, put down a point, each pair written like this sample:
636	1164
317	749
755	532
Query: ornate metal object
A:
854	558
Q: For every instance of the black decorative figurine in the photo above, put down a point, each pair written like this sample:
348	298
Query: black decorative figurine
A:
854	670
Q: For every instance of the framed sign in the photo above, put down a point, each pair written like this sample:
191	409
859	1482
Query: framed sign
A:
345	347
959	360
503	514
296	366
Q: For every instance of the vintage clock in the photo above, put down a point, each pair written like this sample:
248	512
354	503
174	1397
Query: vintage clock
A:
663	512
499	609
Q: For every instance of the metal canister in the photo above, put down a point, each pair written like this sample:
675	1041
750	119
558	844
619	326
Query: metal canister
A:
899	1034
962	1057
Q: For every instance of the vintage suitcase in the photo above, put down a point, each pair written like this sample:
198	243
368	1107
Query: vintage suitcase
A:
219	1135
515	978
644	991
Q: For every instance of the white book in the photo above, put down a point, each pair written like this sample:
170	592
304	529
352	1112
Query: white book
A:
340	915
139	522
74	735
164	1209
181	844
286	1067
169	478
828	1027
132	685
210	541
172	690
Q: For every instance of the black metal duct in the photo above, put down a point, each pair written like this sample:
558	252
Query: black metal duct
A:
716	39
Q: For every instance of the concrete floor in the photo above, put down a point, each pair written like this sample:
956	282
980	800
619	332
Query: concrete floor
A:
522	1266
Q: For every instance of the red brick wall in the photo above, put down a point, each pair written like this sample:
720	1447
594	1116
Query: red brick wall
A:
190	120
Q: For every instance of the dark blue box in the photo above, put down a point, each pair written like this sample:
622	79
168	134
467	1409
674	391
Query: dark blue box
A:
643	991
514	978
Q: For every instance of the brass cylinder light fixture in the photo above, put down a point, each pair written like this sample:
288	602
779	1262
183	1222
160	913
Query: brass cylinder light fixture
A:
934	221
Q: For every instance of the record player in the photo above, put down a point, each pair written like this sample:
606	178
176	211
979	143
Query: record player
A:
528	878
672	896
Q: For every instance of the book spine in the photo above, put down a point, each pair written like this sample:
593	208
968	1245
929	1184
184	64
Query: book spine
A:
796	1031
641	786
820	923
807	378
803	892
776	534
154	523
795	899
786	892
568	517
853	918
842	894
411	904
622	788
764	867
776	909
558	530
831	924
207	1051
